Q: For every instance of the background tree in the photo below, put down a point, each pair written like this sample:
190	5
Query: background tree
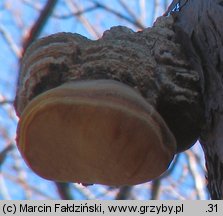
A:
184	179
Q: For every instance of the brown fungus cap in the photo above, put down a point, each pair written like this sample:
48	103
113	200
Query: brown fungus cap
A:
98	131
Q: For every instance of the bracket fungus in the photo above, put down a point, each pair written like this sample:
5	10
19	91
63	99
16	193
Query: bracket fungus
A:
94	111
94	132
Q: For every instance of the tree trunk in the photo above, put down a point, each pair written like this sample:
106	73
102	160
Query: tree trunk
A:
175	65
198	25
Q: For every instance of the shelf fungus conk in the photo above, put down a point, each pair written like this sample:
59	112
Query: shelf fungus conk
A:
97	131
113	111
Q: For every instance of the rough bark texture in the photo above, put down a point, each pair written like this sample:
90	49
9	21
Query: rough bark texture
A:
151	61
199	30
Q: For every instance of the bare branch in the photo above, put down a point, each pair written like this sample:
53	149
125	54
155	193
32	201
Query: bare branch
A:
39	24
157	8
75	8
24	184
131	13
33	4
155	190
4	153
6	102
64	190
11	43
132	21
198	181
58	15
78	13
84	191
143	11
124	193
3	189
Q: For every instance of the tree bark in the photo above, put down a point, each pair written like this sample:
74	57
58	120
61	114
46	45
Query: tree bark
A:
199	30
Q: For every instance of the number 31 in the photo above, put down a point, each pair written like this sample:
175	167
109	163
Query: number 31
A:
212	208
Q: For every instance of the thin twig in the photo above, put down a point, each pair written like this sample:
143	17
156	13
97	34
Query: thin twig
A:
143	11
78	13
8	38
6	102
36	29
4	153
32	4
173	192
124	193
156	184
64	190
3	189
157	9
74	8
84	191
35	189
61	16
131	13
155	190
198	181
105	7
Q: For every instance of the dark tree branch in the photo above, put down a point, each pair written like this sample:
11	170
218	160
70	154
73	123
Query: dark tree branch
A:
130	12
62	16
6	102
4	153
64	190
122	16
156	184
36	29
78	13
74	7
155	191
124	193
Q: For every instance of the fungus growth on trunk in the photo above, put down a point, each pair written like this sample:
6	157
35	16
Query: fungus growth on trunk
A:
113	111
